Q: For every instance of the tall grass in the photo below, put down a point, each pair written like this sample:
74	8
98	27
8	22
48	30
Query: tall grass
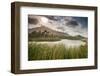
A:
58	51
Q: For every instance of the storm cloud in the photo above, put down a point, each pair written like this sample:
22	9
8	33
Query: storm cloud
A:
72	23
32	21
66	24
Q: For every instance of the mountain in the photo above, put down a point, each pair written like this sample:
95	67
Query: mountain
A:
46	34
47	30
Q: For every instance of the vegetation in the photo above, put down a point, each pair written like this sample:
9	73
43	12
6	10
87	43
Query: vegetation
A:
77	37
58	51
45	39
38	51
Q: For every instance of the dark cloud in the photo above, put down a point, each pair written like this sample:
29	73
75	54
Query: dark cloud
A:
82	20
72	23
52	18
33	21
55	18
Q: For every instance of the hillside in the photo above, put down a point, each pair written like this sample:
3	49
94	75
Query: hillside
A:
46	30
46	34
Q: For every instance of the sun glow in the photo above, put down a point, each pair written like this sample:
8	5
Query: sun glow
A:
44	20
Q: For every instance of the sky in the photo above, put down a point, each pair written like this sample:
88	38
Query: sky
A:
67	24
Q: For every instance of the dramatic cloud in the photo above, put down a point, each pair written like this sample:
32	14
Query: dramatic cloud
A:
52	18
66	24
33	21
72	23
